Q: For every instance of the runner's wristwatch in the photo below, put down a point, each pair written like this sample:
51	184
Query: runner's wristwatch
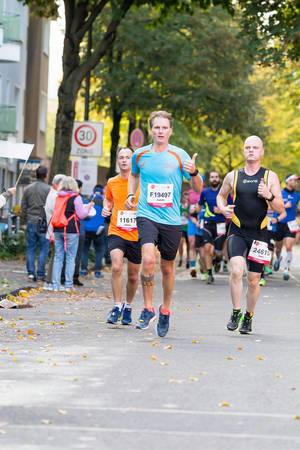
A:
271	198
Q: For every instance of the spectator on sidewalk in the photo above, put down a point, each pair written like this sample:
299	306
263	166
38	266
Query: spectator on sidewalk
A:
49	208
34	216
6	195
76	280
68	211
94	234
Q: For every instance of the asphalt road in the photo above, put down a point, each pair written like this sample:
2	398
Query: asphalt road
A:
69	381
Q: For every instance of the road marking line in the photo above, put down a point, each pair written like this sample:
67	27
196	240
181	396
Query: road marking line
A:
159	432
132	409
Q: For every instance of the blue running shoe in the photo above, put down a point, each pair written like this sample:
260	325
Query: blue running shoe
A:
145	319
126	316
276	265
163	323
114	315
83	273
98	274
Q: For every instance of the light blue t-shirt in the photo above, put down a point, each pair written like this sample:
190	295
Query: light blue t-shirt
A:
160	168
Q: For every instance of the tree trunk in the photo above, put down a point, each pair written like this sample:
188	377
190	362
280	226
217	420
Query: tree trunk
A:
115	138
63	130
131	127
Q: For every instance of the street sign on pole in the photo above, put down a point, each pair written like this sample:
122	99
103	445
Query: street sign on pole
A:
137	138
86	170
87	139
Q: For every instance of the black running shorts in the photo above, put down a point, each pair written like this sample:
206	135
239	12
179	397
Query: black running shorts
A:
210	235
165	237
239	243
131	249
282	232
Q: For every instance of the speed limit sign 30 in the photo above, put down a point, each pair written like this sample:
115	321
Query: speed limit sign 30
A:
87	139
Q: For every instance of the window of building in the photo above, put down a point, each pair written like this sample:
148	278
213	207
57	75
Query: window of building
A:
17	105
7	92
0	88
46	36
43	111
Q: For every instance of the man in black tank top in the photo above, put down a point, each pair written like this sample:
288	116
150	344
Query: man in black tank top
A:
254	189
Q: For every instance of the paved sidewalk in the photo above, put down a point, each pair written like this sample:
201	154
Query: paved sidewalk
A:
69	381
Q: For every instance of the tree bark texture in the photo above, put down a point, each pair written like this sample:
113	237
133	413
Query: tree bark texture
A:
78	22
115	138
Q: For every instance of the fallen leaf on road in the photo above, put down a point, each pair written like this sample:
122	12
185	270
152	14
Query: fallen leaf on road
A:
154	358
46	421
175	381
224	404
30	331
193	379
260	358
297	417
168	347
162	363
63	412
278	375
203	373
195	341
230	358
240	349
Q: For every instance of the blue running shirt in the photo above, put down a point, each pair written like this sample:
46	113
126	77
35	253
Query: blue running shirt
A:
165	168
293	197
208	199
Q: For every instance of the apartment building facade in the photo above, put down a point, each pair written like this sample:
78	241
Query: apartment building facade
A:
24	55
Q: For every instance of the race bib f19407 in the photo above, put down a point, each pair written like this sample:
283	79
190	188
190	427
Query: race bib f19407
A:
160	195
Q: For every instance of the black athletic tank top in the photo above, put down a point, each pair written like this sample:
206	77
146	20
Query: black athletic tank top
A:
250	210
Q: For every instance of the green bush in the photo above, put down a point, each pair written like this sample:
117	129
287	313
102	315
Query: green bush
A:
13	246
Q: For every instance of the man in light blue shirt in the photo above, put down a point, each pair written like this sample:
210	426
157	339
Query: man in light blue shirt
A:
159	169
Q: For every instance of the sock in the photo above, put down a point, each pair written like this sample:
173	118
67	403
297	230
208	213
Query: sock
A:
127	305
288	260
249	314
237	310
192	263
119	305
165	311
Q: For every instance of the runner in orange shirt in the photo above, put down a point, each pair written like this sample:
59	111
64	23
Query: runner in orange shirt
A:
122	239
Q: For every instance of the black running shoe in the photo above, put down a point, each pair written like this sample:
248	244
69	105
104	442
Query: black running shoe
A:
163	324
210	279
217	265
246	326
234	320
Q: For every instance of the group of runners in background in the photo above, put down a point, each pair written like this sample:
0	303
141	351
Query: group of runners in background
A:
244	220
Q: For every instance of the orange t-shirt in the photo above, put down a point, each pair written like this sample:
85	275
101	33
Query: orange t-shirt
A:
116	191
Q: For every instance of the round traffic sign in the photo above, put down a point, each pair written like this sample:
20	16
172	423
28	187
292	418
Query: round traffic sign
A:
85	135
137	138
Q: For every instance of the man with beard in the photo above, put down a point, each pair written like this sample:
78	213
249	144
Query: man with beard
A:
214	233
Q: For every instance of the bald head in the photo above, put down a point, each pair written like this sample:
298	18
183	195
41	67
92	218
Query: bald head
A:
253	149
254	140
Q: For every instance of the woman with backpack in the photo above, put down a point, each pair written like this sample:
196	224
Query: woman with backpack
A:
68	211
